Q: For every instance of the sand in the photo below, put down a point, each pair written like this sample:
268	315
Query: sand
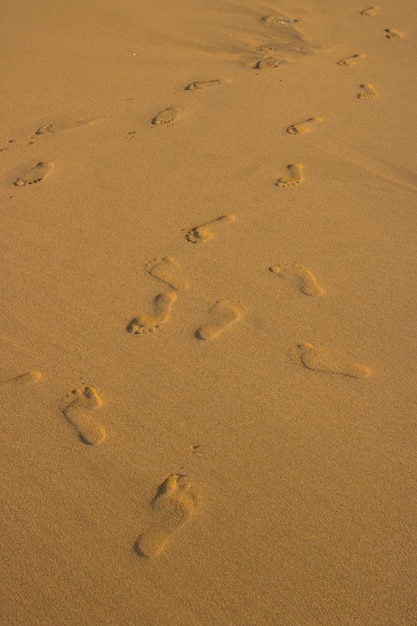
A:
208	349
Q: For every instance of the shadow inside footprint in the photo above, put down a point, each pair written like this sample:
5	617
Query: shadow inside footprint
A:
149	323
173	505
223	313
204	232
35	175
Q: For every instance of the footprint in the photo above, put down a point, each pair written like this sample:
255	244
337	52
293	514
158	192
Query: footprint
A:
174	503
202	233
167	116
202	84
267	63
277	19
391	33
79	414
149	323
48	129
307	282
303	127
30	377
223	314
351	60
295	177
370	12
35	175
314	358
165	268
368	91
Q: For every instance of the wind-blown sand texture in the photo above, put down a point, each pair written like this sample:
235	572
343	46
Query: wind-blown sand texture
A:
239	445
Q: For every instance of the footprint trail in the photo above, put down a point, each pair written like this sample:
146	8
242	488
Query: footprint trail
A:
166	269
295	177
149	323
174	504
315	358
204	232
223	313
79	414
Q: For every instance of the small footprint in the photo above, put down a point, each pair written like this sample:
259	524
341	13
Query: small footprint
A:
167	116
35	175
202	233
202	84
174	503
368	91
30	377
370	12
286	21
391	33
149	323
306	280
315	358
295	177
223	314
267	63
303	127
165	268
351	60
79	414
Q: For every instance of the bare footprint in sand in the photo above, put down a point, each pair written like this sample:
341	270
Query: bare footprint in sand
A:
303	127
279	19
35	175
204	232
306	280
202	84
351	60
166	269
267	63
166	116
223	313
295	177
23	379
79	414
149	323
368	91
174	504
317	359
391	33
370	12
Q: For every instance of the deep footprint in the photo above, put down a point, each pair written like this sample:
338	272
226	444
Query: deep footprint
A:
295	177
174	503
166	269
368	91
204	232
167	116
202	84
317	359
303	127
35	175
79	414
223	313
306	280
149	323
23	379
351	60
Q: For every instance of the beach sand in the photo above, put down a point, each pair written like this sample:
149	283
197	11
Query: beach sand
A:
208	337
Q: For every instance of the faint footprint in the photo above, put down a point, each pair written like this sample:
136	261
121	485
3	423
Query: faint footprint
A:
79	414
368	91
391	33
370	12
279	19
303	127
306	280
267	63
223	314
314	358
174	503
149	323
202	233
30	377
167	116
165	268
351	60
295	177
202	84
35	175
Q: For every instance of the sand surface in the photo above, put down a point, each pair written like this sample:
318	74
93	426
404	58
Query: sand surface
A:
208	336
